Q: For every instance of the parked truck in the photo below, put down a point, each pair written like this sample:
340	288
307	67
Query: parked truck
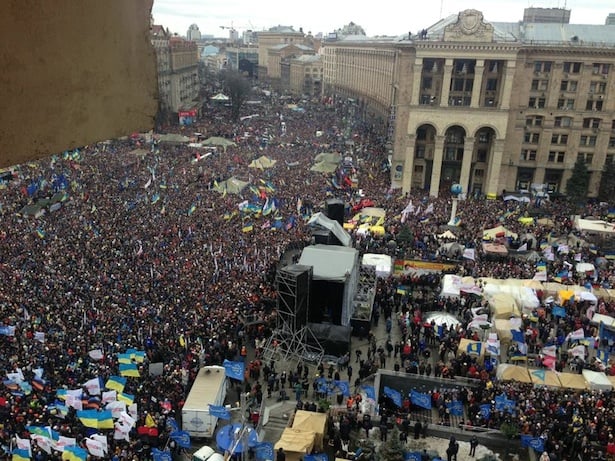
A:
209	387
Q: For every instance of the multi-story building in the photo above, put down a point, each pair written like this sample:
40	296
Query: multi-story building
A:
272	37
492	106
177	65
193	34
184	74
305	75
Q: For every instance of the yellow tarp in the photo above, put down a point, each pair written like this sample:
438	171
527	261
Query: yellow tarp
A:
296	443
565	295
471	347
550	378
503	306
508	372
573	381
311	421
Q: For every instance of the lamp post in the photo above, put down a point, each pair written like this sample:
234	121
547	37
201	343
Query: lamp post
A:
456	190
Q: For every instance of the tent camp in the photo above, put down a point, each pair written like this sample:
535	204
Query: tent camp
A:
231	186
607	320
494	249
218	141
324	167
382	263
220	97
447	235
503	329
473	348
263	162
597	380
312	421
451	285
320	220
503	306
508	372
573	381
173	138
296	443
328	157
594	226
497	232
544	377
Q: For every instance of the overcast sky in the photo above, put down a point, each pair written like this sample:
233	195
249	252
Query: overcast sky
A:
387	17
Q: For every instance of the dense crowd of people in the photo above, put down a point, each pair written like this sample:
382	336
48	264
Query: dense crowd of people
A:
146	252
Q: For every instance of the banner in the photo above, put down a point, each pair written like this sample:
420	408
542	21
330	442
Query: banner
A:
455	408
420	400
182	438
370	392
518	336
409	265
344	387
161	455
485	410
219	411
315	457
394	395
234	370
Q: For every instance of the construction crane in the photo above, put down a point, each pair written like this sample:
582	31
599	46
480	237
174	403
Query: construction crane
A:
231	28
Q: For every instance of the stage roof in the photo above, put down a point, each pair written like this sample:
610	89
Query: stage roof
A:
329	262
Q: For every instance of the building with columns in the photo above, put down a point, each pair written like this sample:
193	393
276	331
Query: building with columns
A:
492	106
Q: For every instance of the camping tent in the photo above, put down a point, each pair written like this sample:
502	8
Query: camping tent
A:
441	318
382	263
494	249
470	347
447	235
263	162
502	328
296	443
319	219
218	141
311	421
451	285
503	306
508	372
328	157
173	138
573	381
231	186
324	167
544	377
594	226
499	231
220	97
597	380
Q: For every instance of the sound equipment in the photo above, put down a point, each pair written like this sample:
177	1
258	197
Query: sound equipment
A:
335	210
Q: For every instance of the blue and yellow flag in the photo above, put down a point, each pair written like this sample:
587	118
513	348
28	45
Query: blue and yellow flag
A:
191	209
136	355
124	358
127	398
105	420
89	418
129	369
474	348
20	454
249	227
74	453
116	383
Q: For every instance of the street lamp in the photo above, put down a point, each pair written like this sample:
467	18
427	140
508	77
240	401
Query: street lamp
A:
456	190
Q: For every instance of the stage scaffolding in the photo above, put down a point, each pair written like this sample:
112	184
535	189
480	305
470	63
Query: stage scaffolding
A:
292	340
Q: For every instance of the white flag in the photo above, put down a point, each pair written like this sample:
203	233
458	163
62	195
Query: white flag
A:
95	448
577	351
102	439
24	444
109	396
468	253
116	408
551	351
39	336
522	247
148	183
96	354
93	386
44	443
127	420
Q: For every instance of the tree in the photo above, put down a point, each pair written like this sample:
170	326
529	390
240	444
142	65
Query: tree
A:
237	88
578	184
606	190
393	449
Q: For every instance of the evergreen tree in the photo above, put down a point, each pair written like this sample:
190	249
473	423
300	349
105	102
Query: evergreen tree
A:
606	191
393	449
238	90
405	235
578	184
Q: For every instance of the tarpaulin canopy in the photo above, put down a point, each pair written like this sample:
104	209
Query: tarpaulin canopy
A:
447	235
594	226
324	167
544	377
319	219
330	262
173	138
494	249
503	306
442	318
231	186
296	443
382	263
573	381
607	320
597	380
314	422
218	141
508	372
469	347
220	97
499	231
263	162
328	157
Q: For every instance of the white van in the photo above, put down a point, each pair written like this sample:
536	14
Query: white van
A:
207	453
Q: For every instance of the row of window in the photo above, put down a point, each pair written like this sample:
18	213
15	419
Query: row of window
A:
570	67
566	122
595	105
569	86
561	139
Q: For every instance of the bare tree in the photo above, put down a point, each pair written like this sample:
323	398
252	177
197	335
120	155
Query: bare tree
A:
237	88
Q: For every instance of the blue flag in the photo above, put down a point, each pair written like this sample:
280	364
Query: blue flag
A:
344	387
502	403
536	443
370	392
558	311
474	348
219	411
420	400
485	410
316	457
263	451
455	408
7	330
234	370
518	336
160	455
182	438
172	424
412	456
394	395
602	355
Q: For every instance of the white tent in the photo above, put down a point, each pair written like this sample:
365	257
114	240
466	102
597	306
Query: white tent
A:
451	285
319	219
382	263
594	226
585	267
597	380
597	319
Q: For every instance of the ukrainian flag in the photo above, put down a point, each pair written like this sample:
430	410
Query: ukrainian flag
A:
124	358
89	418
20	454
116	383
74	453
129	369
40	232
105	420
137	356
191	209
249	227
474	348
128	398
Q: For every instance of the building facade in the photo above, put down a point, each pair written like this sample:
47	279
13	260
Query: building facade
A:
305	75
491	106
274	36
184	74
